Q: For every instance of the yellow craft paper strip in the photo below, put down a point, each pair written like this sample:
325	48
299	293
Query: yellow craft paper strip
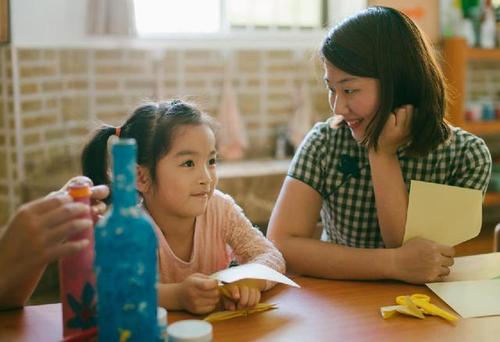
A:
412	308
407	307
389	311
224	315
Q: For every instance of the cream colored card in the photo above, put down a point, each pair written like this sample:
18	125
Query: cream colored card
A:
252	271
472	298
442	213
475	267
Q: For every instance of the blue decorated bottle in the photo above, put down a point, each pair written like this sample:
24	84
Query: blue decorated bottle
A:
126	259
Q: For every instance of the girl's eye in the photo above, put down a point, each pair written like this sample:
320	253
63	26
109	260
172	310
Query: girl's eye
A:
212	161
330	89
188	163
349	91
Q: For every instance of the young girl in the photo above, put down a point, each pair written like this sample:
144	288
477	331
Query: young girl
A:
199	228
388	97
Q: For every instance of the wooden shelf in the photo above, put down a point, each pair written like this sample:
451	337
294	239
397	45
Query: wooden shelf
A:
457	55
491	198
477	54
482	127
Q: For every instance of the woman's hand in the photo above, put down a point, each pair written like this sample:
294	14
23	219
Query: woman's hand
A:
421	261
199	294
99	193
39	231
396	131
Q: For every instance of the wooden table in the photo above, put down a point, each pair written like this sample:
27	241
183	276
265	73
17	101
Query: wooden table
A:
322	310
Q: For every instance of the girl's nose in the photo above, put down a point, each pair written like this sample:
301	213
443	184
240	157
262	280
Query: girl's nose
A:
205	177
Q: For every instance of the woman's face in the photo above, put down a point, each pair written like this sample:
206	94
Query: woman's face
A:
355	99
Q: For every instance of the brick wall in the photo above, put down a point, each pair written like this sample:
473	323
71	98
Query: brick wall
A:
62	94
50	99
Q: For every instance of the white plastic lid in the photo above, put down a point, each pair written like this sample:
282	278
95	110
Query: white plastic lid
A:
161	315
190	330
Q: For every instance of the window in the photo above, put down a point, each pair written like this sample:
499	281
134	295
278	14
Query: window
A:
274	13
162	17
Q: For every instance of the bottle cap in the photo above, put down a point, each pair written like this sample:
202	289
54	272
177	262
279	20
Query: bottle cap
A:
78	190
190	330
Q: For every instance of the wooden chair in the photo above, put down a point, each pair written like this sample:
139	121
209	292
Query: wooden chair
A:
496	239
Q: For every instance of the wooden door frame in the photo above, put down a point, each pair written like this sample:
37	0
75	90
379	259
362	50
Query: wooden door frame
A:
4	22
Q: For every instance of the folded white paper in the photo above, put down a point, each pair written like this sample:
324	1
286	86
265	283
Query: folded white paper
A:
252	271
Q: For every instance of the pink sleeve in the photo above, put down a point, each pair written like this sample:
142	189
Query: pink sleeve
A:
249	245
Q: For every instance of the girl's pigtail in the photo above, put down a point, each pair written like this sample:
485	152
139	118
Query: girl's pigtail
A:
95	156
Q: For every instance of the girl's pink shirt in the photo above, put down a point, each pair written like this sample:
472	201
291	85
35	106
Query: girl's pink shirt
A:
221	234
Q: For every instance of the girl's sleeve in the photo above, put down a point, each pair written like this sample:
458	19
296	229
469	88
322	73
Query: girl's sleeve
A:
248	244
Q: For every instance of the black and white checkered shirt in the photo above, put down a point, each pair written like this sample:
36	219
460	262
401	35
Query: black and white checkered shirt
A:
331	162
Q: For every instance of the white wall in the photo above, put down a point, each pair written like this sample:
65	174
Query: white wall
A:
339	9
47	21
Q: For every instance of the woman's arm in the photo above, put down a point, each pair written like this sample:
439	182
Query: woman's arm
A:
36	236
391	194
292	226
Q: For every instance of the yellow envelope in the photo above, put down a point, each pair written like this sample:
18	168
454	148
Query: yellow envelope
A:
252	271
442	213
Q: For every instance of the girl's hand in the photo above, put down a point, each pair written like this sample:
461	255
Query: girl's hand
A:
396	131
199	294
244	294
421	261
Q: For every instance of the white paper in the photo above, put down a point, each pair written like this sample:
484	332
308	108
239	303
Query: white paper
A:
474	298
252	271
475	267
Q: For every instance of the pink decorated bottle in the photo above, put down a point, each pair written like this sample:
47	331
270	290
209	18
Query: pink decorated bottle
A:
76	275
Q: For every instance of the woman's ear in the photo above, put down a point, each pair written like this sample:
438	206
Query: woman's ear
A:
143	179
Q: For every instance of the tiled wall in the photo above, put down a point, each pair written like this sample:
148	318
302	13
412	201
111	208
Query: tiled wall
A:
52	98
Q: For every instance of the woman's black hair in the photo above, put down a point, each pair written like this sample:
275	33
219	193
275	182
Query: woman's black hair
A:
152	125
385	44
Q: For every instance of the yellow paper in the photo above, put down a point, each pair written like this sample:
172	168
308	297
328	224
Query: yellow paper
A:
224	315
442	213
411	308
474	298
252	271
475	267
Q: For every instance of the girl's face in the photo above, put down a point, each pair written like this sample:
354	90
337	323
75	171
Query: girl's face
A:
186	175
355	99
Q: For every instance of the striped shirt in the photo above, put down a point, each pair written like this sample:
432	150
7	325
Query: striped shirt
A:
331	162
